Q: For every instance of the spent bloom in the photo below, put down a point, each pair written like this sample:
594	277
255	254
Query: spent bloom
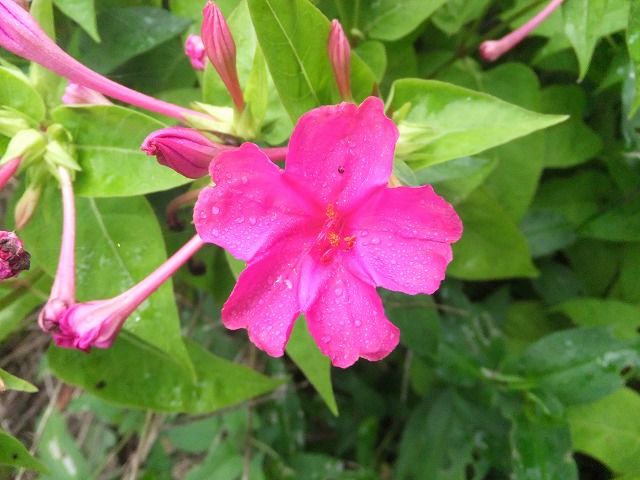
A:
320	235
491	50
221	50
75	94
97	323
185	150
194	49
13	257
339	52
22	36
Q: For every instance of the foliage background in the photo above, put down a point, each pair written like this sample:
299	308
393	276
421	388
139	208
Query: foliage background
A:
523	366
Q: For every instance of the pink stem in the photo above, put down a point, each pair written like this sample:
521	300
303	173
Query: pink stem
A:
64	285
8	170
500	47
139	293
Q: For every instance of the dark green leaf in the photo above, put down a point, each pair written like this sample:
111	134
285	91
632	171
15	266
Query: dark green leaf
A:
633	44
11	382
546	231
393	19
13	453
83	12
623	318
619	224
16	92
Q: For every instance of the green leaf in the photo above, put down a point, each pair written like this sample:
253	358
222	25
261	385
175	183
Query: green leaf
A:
11	382
127	32
577	365
59	450
108	140
83	12
374	54
446	122
623	318
491	247
16	92
582	20
297	57
19	302
541	449
393	19
13	453
627	287
316	367
132	374
546	231
633	45
111	256
608	430
619	224
454	14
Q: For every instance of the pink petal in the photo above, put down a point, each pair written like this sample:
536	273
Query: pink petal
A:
347	319
265	299
403	238
341	152
251	204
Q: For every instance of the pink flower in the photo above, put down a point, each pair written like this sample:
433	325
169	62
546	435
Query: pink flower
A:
491	50
221	50
185	150
194	49
13	257
22	36
319	236
340	58
75	94
8	170
97	323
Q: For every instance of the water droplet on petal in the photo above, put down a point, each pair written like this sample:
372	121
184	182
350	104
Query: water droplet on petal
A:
326	339
375	240
239	219
244	179
288	283
252	220
364	233
357	323
215	210
338	291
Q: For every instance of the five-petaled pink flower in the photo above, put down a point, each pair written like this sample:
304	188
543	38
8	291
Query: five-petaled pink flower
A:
320	235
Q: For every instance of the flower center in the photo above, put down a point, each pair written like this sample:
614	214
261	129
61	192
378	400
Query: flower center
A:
331	238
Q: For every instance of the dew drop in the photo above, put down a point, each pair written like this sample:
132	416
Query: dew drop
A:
338	291
239	220
375	240
252	220
364	233
215	210
244	179
326	339
357	323
288	283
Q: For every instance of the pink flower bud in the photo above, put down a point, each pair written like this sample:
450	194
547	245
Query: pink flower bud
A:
340	58
75	94
26	206
8	170
185	150
13	257
221	50
194	49
97	323
491	50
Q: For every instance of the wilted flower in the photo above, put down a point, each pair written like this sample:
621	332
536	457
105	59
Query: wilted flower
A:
319	236
13	257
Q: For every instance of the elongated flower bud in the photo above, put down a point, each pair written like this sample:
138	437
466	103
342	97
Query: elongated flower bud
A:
13	257
75	94
221	50
21	35
97	323
194	49
491	50
8	170
340	57
26	206
185	150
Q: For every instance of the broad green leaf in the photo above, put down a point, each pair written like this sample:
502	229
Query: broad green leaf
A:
17	303
16	92
454	14
373	53
582	20
132	374
627	287
621	223
596	263
547	231
393	19
556	282
633	45
577	365
444	121
13	453
608	430
541	449
293	36
491	247
11	382
59	451
127	32
526	322
623	318
108	140
83	12
316	367
193	10
111	256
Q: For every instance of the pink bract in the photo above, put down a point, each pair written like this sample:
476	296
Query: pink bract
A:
320	235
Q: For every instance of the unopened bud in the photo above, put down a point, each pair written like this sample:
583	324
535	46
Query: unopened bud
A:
26	206
339	52
221	50
75	94
194	49
13	257
8	170
185	150
26	144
